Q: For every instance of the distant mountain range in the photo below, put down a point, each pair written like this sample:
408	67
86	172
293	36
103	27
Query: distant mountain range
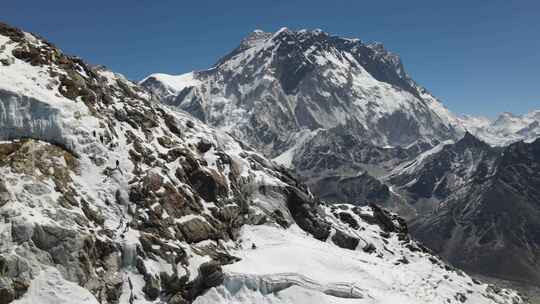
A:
505	129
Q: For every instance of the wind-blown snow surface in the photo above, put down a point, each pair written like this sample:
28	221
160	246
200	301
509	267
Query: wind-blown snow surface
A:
125	201
288	267
505	129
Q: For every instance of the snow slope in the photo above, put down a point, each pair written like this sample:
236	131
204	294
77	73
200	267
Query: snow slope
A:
288	267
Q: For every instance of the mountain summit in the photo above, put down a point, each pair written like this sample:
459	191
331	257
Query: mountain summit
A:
277	88
338	110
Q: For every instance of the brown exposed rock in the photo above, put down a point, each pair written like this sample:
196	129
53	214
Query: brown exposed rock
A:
165	141
152	182
7	294
304	211
196	230
204	146
210	275
20	287
177	299
208	183
13	33
32	55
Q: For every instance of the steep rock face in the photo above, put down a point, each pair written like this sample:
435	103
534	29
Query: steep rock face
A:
291	92
292	81
437	173
130	202
478	205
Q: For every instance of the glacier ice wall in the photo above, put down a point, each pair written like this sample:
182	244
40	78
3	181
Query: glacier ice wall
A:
26	117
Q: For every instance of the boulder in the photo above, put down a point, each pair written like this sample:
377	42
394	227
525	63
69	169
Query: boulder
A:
21	231
204	146
345	241
208	183
210	275
174	154
196	230
152	182
177	299
348	219
170	122
7	293
152	286
4	194
369	248
37	188
20	287
165	142
304	211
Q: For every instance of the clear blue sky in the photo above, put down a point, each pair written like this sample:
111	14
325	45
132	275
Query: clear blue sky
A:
479	58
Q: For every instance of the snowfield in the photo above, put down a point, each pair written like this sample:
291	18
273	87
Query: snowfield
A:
288	266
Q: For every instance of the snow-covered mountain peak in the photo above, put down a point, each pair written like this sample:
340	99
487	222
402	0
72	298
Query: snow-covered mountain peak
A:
319	103
317	81
256	37
283	30
474	121
535	114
